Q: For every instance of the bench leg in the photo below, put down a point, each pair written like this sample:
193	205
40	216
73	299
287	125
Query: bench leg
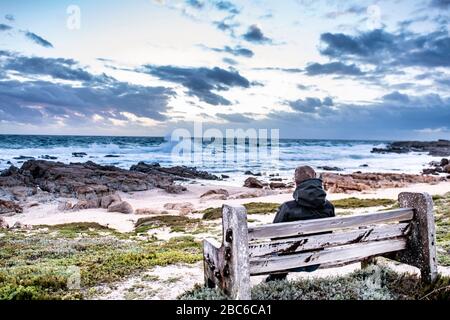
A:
236	269
421	246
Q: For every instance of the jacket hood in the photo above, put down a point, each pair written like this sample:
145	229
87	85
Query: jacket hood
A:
310	193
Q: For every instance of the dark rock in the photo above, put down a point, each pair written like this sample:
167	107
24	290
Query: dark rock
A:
276	179
224	176
446	169
112	156
364	166
327	168
249	173
7	206
444	162
440	148
177	173
253	183
79	154
23	158
47	157
9	163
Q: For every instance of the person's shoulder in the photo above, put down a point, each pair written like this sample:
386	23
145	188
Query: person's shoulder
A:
289	204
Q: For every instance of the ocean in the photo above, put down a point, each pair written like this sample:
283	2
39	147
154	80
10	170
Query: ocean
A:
349	155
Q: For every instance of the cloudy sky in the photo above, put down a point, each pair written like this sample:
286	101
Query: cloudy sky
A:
313	69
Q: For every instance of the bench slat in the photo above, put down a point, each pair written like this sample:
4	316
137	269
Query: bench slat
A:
330	255
299	244
298	228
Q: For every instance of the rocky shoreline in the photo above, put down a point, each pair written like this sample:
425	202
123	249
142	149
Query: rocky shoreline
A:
97	186
440	148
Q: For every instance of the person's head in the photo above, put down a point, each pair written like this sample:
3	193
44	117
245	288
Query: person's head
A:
304	173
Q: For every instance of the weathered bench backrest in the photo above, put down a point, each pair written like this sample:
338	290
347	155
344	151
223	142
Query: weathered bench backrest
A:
406	234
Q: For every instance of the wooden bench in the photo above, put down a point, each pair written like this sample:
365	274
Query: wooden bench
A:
406	235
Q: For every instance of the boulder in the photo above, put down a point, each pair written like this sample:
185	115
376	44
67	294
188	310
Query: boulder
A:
86	204
177	172
444	162
216	192
3	224
446	169
249	173
106	201
277	185
121	207
9	207
252	182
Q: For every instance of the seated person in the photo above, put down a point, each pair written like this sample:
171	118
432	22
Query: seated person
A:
310	203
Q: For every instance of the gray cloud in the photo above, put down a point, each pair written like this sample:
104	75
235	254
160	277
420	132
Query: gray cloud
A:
58	68
237	51
235	117
310	105
195	4
37	39
333	68
35	101
230	61
254	34
10	17
354	9
388	49
224	5
200	82
440	4
391	116
4	27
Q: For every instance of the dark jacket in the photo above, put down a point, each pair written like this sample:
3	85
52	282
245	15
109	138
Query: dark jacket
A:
310	203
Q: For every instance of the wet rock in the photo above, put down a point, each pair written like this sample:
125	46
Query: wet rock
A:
177	172
444	162
121	207
112	156
440	148
249	173
47	157
7	207
446	169
79	154
364	166
252	182
328	168
23	158
276	179
224	176
106	201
